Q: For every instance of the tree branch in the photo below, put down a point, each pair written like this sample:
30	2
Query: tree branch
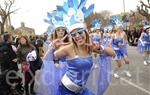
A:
148	6
6	5
2	10
12	11
148	2
11	3
143	13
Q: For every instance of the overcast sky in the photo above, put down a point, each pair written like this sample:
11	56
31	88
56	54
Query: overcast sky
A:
32	12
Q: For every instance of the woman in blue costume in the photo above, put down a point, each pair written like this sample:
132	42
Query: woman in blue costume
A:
96	38
119	43
144	44
78	66
79	61
107	34
60	32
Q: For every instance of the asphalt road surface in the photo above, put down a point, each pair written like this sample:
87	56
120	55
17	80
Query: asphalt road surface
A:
138	84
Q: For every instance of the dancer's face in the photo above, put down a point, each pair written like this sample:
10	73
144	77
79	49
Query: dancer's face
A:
79	36
119	29
60	31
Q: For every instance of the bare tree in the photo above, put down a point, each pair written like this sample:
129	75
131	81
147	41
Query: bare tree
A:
5	12
143	9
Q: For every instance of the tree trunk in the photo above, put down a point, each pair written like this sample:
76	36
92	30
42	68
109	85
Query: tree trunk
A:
2	28
2	25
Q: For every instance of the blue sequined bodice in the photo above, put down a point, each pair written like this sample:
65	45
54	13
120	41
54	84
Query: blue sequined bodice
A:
62	59
116	41
78	69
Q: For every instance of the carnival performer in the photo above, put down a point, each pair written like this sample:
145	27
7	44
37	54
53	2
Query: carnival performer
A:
144	44
61	34
57	31
96	38
107	34
119	43
78	53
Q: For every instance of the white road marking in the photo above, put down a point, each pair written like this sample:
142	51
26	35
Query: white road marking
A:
136	86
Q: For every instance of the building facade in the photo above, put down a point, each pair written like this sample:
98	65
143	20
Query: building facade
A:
26	31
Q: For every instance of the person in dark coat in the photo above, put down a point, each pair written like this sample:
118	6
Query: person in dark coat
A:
8	63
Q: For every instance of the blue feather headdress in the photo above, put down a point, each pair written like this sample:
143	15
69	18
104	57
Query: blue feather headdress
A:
96	24
73	13
108	28
54	20
115	20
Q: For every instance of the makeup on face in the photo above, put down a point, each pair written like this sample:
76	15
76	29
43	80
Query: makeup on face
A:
81	32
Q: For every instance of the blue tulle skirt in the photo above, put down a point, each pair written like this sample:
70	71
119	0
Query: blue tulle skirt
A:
104	74
142	48
121	52
49	79
124	49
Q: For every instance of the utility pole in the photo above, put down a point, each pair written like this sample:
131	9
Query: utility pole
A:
124	6
124	12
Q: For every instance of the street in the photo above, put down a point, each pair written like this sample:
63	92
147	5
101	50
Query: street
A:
139	84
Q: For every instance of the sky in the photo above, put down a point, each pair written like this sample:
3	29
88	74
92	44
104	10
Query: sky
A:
32	12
